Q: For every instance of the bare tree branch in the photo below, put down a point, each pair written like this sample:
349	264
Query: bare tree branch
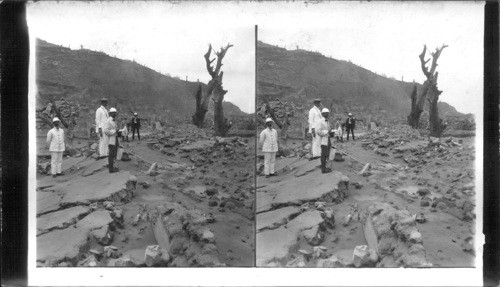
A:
209	62
435	57
45	119
220	56
58	113
423	63
271	113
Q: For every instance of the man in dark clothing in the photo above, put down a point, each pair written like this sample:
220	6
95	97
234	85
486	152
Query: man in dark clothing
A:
135	123
350	124
110	129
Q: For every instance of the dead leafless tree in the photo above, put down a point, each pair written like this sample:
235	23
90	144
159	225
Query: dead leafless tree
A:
429	92
214	91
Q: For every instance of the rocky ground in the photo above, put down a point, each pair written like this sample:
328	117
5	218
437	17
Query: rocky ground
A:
411	206
182	198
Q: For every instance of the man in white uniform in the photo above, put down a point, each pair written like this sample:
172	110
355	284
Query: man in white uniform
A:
101	116
56	145
269	141
314	117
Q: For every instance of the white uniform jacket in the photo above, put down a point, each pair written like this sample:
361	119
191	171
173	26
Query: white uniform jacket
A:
101	116
322	130
314	116
269	140
109	130
55	137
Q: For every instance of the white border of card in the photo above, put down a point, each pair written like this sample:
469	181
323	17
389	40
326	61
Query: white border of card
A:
263	14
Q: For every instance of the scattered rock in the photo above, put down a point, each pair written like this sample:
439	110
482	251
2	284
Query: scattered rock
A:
90	261
124	261
153	256
468	244
211	191
364	256
425	202
313	236
441	205
103	235
365	170
145	184
423	191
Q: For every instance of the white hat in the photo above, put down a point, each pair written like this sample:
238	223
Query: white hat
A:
269	120
135	114
112	110
350	114
325	110
56	119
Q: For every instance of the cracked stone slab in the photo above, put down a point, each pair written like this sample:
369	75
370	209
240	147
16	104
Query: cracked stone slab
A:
71	162
60	219
94	167
304	221
95	220
306	167
285	163
97	187
62	245
47	201
275	218
329	187
275	245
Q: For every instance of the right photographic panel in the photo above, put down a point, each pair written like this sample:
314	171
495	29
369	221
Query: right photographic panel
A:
369	117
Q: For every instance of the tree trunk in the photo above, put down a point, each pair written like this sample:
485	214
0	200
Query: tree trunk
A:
201	108
435	124
414	116
219	119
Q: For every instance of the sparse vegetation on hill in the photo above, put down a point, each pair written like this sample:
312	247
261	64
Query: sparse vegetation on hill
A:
84	76
299	76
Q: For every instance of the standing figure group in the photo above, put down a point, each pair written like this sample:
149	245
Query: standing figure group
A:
319	128
108	132
322	131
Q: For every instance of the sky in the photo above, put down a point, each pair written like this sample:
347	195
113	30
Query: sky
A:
165	37
384	37
387	38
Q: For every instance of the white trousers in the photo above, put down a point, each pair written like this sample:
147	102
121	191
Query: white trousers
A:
56	161
316	146
269	160
103	146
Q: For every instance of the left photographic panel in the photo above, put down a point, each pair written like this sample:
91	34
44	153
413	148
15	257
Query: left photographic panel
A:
142	136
